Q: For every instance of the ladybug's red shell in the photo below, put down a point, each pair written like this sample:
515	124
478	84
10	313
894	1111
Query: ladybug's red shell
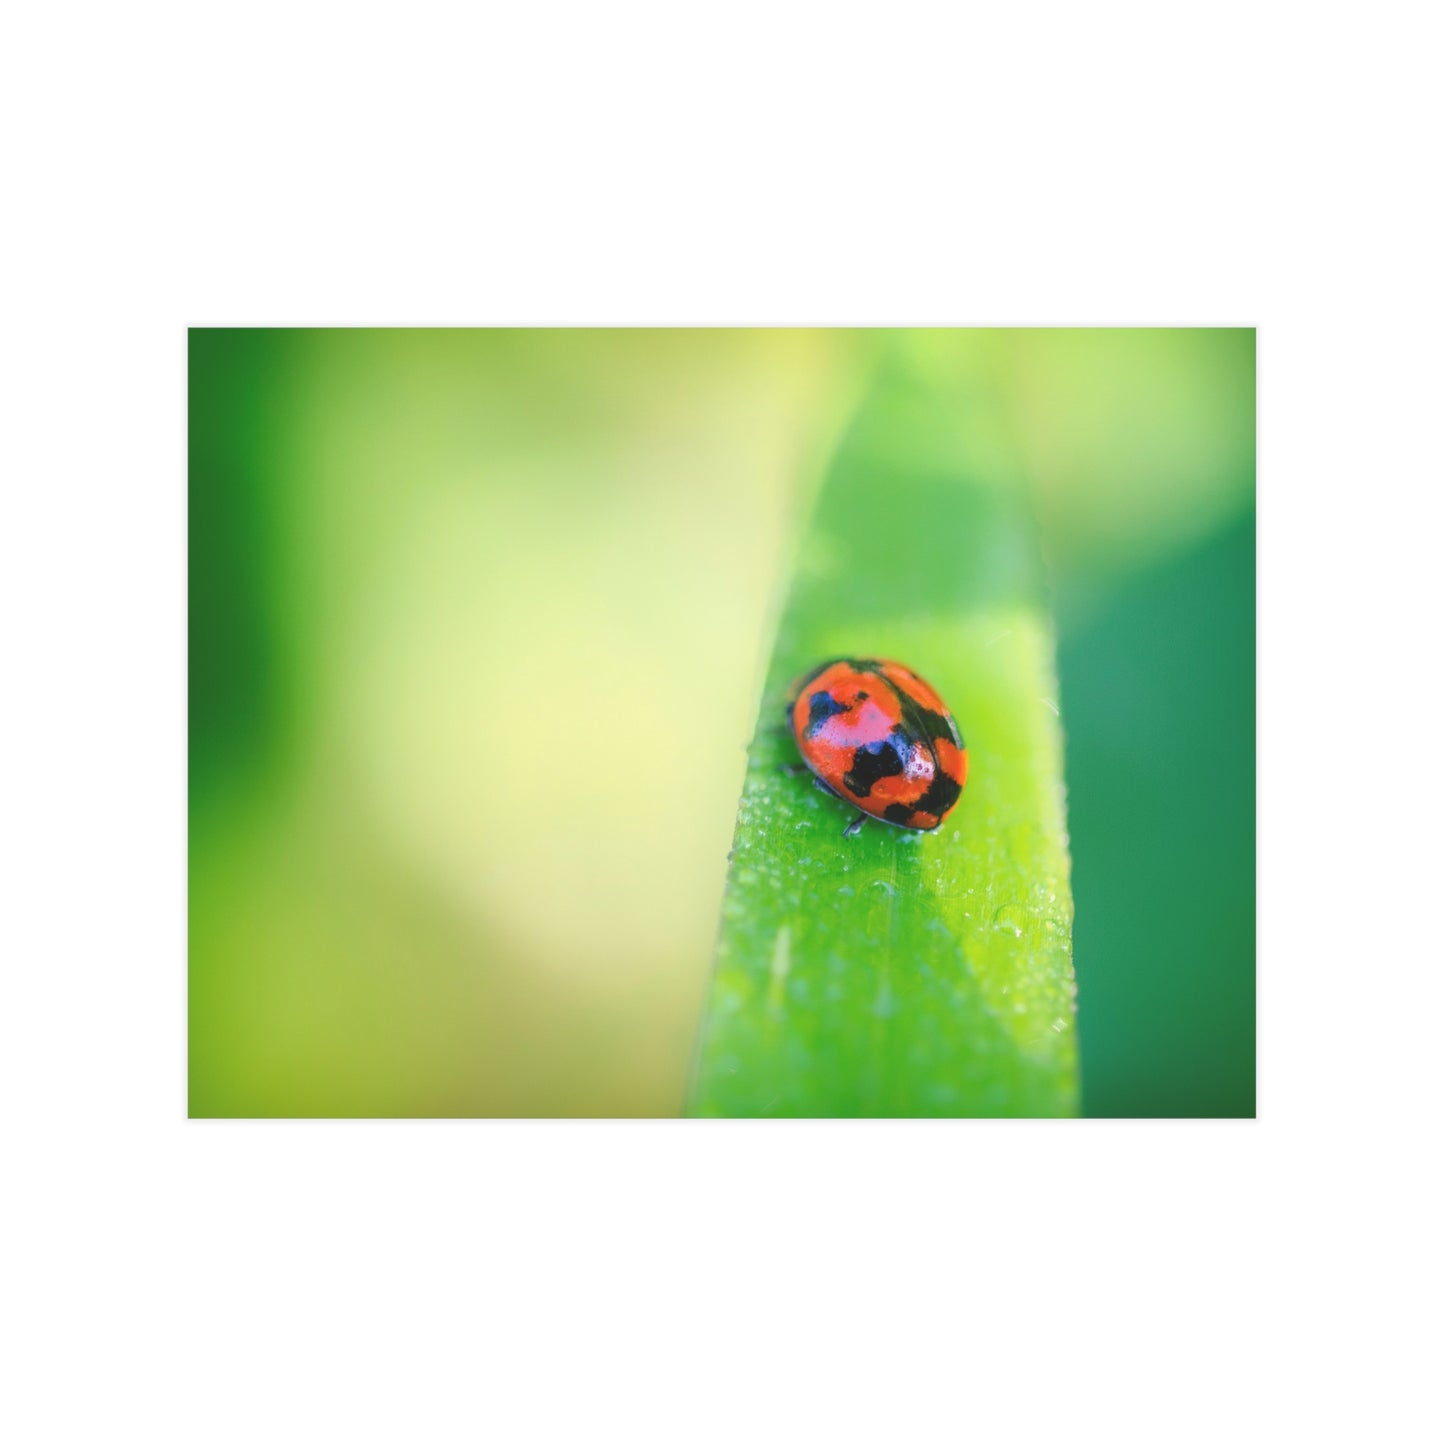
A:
877	735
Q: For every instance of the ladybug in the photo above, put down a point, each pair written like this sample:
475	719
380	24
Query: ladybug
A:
877	736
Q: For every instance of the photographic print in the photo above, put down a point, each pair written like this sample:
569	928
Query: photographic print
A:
722	723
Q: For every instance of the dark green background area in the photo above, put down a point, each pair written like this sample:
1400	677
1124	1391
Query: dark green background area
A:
1158	694
235	402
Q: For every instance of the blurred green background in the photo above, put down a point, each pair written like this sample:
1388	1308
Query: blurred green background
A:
477	623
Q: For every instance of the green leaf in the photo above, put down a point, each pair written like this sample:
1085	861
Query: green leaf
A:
899	973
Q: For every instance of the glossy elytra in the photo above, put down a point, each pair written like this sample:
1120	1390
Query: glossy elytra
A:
879	737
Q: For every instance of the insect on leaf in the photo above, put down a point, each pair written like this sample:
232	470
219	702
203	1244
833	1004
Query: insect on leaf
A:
899	972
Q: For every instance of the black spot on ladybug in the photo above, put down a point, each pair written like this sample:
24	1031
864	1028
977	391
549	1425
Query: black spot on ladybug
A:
942	794
821	706
883	759
897	813
929	724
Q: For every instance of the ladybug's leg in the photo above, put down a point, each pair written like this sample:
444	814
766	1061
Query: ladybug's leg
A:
854	826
